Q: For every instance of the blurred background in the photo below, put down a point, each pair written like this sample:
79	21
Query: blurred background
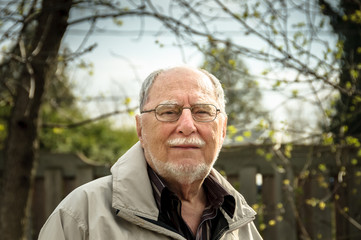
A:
70	73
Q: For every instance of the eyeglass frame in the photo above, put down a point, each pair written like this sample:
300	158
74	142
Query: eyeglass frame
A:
182	108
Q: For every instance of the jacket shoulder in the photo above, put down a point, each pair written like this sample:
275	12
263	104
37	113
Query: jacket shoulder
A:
73	216
96	191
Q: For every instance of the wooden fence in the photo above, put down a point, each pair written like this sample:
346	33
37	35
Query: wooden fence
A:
306	193
56	176
311	192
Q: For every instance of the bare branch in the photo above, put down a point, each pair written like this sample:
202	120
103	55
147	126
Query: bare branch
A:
87	121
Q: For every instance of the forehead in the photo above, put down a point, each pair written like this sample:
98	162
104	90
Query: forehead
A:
178	84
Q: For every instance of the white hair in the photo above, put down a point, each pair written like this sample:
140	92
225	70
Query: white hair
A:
148	83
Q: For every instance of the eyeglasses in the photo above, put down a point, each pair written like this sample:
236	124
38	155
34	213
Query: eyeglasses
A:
172	112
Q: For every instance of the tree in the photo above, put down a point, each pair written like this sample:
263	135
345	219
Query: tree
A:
37	53
345	21
96	139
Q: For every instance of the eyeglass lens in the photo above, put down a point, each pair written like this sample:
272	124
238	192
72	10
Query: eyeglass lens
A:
172	112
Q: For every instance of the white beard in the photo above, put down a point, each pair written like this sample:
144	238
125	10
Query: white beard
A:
183	173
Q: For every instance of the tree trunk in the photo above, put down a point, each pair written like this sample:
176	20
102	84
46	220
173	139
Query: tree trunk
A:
349	33
348	108
21	145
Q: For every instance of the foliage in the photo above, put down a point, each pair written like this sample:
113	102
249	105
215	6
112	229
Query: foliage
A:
4	111
99	141
242	93
345	22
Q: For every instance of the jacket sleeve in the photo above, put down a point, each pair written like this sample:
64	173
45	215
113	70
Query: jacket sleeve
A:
246	232
61	225
255	233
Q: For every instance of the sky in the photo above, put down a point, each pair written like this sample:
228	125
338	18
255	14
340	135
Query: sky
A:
122	59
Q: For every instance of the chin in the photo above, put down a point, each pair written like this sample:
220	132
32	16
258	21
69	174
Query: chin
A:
186	174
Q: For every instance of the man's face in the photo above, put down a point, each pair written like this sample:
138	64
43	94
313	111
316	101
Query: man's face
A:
184	150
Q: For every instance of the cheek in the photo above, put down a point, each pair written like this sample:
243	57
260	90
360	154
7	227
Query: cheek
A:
217	133
154	137
214	139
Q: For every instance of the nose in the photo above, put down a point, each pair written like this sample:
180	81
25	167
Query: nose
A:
186	123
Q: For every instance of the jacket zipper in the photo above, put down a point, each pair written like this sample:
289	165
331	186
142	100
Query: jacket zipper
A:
225	230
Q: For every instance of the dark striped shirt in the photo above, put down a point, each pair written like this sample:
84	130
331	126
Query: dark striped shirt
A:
213	222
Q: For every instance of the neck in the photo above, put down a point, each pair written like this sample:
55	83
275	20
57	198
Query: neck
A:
194	200
188	192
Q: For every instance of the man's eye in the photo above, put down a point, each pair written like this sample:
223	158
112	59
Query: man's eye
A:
202	112
168	112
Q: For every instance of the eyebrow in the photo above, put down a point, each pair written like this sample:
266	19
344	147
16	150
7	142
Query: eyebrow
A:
169	102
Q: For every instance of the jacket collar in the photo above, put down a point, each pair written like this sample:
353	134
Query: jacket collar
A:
132	191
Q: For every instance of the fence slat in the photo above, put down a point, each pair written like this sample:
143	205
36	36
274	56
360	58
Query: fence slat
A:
84	174
53	181
354	190
317	214
248	187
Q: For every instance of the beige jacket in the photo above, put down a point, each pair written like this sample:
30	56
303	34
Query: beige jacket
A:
122	206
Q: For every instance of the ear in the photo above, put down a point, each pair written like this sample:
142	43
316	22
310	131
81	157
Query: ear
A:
139	128
224	130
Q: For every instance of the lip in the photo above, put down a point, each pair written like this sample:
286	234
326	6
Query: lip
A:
186	147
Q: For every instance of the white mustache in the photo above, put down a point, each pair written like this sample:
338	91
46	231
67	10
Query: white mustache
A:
186	141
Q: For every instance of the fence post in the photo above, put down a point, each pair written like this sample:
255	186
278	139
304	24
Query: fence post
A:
288	223
354	196
83	175
53	182
278	218
248	187
270	194
317	216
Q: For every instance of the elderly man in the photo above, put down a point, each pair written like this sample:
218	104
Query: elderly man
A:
164	187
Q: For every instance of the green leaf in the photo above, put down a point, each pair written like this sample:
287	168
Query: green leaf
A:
322	167
269	156
127	100
300	25
232	62
327	139
354	161
265	71
348	85
359	50
354	73
117	22
294	93
352	141
247	134
260	152
359	153
288	150
239	139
